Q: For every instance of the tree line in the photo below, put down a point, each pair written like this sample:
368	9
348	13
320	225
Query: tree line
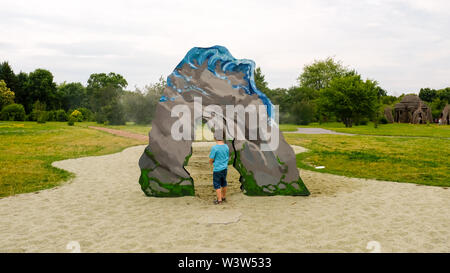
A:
35	96
326	90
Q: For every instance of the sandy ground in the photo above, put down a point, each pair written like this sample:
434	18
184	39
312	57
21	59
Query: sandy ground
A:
104	210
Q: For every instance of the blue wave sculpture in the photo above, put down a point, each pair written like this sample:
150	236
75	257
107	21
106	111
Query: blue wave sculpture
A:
198	55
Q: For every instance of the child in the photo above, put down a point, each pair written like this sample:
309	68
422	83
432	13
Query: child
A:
219	156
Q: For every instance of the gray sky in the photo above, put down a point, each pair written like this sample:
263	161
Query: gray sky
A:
403	44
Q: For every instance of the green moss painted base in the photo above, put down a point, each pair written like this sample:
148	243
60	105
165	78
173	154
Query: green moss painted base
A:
173	190
251	188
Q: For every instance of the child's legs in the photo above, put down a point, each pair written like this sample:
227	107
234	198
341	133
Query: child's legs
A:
217	184
219	194
223	183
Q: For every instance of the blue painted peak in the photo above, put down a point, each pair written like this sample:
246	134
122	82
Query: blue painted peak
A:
198	55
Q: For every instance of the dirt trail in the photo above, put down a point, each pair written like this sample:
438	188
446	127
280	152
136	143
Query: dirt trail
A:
120	133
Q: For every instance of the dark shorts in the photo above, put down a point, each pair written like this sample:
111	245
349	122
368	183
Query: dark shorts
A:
220	179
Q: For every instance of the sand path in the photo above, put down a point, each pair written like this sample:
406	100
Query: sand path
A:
104	210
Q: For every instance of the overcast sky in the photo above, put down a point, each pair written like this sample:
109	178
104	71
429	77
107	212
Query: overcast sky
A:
404	45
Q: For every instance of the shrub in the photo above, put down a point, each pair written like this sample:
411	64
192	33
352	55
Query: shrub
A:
363	121
42	117
77	115
71	121
87	114
60	115
51	116
13	112
383	120
113	114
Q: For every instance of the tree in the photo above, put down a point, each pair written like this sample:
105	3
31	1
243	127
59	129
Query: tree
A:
260	81
350	98
103	92
8	76
427	94
72	95
320	73
40	86
139	106
21	92
444	94
6	95
102	80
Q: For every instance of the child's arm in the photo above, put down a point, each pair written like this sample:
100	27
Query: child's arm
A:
212	155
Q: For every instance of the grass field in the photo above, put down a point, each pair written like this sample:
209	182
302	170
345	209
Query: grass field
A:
403	159
27	150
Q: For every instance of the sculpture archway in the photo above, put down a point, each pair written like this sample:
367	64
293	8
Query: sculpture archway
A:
214	77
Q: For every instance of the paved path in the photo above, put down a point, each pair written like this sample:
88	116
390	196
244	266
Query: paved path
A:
314	131
120	133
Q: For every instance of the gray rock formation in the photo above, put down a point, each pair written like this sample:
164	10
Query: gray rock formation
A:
216	77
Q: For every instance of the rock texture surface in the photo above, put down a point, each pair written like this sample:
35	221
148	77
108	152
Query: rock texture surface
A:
216	77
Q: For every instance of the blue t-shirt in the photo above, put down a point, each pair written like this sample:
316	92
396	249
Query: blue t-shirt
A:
220	154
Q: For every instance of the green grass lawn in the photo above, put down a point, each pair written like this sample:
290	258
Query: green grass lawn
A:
27	150
403	159
393	129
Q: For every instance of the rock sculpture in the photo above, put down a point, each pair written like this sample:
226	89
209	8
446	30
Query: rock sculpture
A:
213	76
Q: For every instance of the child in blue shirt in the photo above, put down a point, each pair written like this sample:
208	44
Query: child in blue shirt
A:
219	156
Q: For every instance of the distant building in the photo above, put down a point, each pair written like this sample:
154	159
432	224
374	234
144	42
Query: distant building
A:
412	110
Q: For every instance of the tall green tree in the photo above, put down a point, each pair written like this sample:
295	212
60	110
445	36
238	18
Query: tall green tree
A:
427	94
320	73
104	91
21	91
6	95
140	105
102	80
41	87
350	99
73	95
8	76
260	81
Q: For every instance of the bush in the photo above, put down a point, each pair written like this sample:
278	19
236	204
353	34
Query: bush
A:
71	121
42	117
51	116
111	114
383	120
77	115
87	114
363	121
13	112
60	115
